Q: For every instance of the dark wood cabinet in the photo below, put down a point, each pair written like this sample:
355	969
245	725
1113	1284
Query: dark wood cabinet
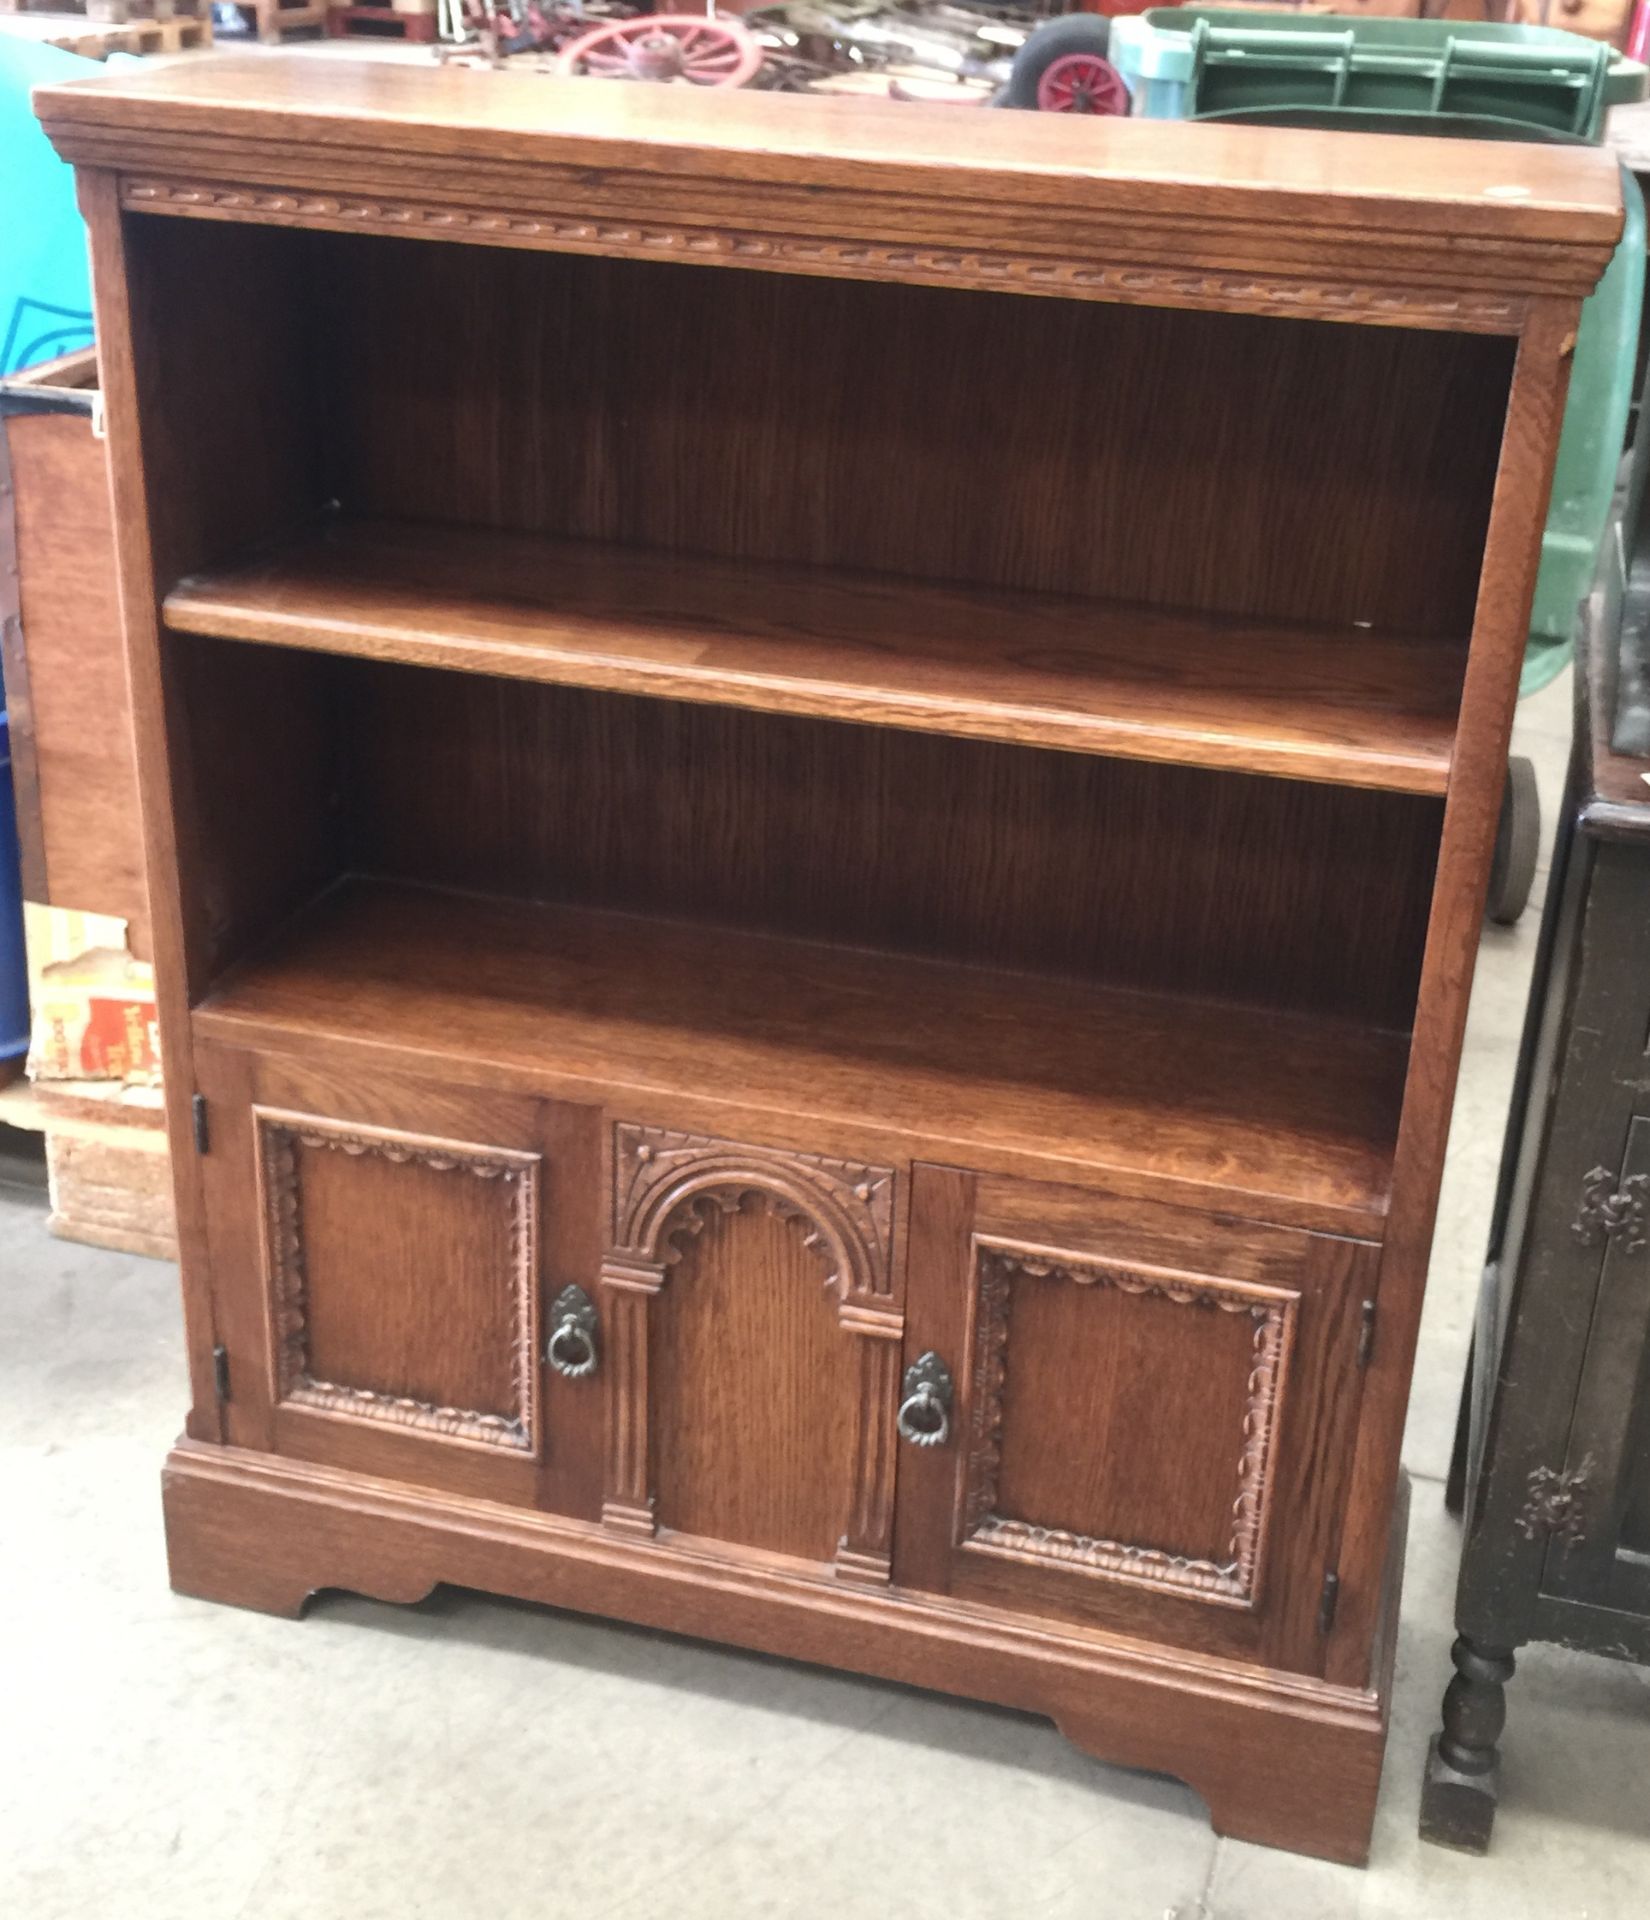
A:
818	805
1552	1463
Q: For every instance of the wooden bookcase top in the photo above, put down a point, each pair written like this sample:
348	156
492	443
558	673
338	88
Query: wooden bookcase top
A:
1414	232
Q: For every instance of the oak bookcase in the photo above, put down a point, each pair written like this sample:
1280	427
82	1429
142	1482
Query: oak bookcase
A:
818	780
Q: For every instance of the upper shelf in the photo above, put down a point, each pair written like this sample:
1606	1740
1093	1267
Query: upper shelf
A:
1352	709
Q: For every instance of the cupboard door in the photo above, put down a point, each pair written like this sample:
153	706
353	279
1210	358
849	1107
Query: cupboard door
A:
382	1249
754	1317
1150	1413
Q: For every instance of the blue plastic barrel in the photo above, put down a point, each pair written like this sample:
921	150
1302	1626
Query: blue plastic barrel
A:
14	979
45	309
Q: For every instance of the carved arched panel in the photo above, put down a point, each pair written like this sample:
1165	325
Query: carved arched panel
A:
660	1177
755	1404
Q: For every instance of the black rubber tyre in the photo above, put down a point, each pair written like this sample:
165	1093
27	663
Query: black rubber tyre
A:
1517	844
1071	33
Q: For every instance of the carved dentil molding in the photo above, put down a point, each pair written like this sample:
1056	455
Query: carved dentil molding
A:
802	253
1235	1580
280	1135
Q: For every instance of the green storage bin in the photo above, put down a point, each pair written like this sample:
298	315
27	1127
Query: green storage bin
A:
1589	447
1502	82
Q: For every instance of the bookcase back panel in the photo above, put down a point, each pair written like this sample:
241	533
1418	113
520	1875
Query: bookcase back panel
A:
1273	892
233	445
257	793
838	422
1307	470
1297	469
1270	891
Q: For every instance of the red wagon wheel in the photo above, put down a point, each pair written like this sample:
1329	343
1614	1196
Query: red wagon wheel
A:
666	46
1081	83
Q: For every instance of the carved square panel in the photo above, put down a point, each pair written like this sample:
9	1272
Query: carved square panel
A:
402	1278
1123	1419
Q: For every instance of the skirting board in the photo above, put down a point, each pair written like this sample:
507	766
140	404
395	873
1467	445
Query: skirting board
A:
1281	1759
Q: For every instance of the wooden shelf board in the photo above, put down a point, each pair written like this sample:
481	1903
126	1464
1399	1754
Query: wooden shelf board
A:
1351	708
1005	1072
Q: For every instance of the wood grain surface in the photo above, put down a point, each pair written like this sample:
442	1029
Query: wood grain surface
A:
122	333
872	836
1355	708
1279	1758
1122	1363
1062	1429
1512	554
407	1269
1051	446
1198	1095
754	1386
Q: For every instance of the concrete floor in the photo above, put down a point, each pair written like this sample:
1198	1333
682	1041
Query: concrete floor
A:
167	1760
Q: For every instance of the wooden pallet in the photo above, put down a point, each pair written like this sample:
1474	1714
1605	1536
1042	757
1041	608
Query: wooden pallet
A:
118	13
96	39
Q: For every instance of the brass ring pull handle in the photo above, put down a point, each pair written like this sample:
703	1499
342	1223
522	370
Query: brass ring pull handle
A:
571	1348
924	1417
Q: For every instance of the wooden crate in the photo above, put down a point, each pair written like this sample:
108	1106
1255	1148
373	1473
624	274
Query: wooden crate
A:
65	665
108	1171
410	20
275	19
73	770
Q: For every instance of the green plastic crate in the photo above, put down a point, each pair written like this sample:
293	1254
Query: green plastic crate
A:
1589	447
1503	82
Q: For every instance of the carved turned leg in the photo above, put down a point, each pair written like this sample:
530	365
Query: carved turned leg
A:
1463	1765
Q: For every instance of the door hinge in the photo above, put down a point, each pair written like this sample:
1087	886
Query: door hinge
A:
220	1372
1607	1209
1328	1600
1366	1332
197	1113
